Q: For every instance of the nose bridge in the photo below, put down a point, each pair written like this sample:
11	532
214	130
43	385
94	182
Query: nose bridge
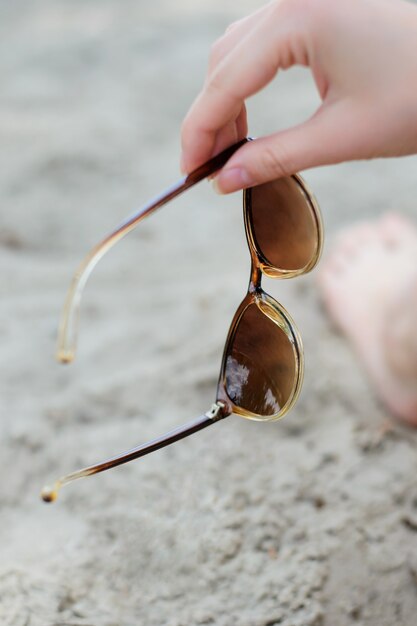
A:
255	276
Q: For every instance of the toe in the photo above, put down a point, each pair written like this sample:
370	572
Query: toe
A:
335	263
396	229
356	240
344	253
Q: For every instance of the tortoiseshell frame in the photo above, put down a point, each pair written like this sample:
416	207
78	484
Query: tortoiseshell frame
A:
224	406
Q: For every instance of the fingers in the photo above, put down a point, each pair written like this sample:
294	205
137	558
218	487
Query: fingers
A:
322	140
233	36
235	129
231	133
199	134
353	56
253	53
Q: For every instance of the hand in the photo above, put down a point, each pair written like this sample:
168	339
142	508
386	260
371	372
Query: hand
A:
363	57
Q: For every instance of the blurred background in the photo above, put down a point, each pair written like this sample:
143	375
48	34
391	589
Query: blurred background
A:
308	522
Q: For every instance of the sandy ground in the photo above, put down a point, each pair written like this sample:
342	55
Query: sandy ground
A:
308	522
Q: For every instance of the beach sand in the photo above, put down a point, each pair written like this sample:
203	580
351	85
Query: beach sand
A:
311	521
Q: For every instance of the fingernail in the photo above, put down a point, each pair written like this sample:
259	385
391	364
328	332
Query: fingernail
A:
231	180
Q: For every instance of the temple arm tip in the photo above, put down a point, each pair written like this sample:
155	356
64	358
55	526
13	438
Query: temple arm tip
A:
65	356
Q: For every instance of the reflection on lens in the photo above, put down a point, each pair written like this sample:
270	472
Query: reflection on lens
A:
284	225
260	365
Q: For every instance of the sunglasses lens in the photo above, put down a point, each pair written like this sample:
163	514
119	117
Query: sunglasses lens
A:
284	224
260	367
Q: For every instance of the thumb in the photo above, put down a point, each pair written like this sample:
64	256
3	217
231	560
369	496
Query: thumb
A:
330	136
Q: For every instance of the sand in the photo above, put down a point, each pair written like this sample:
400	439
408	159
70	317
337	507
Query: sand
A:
311	521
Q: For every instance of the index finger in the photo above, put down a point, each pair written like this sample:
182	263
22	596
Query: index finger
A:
202	125
249	66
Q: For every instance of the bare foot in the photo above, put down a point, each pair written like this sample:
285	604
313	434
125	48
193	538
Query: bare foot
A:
369	287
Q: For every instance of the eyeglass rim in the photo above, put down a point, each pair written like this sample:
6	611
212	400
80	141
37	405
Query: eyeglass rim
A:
274	311
258	258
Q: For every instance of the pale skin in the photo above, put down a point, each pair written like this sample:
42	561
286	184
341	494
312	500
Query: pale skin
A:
363	58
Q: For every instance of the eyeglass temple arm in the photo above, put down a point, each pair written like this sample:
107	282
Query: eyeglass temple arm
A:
216	413
67	336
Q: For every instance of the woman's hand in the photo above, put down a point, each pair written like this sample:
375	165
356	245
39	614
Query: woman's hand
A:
363	57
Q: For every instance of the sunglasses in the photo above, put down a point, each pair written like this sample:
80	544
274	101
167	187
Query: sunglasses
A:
262	367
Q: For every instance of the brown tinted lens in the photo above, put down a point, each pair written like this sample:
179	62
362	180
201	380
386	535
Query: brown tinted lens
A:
284	225
260	365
